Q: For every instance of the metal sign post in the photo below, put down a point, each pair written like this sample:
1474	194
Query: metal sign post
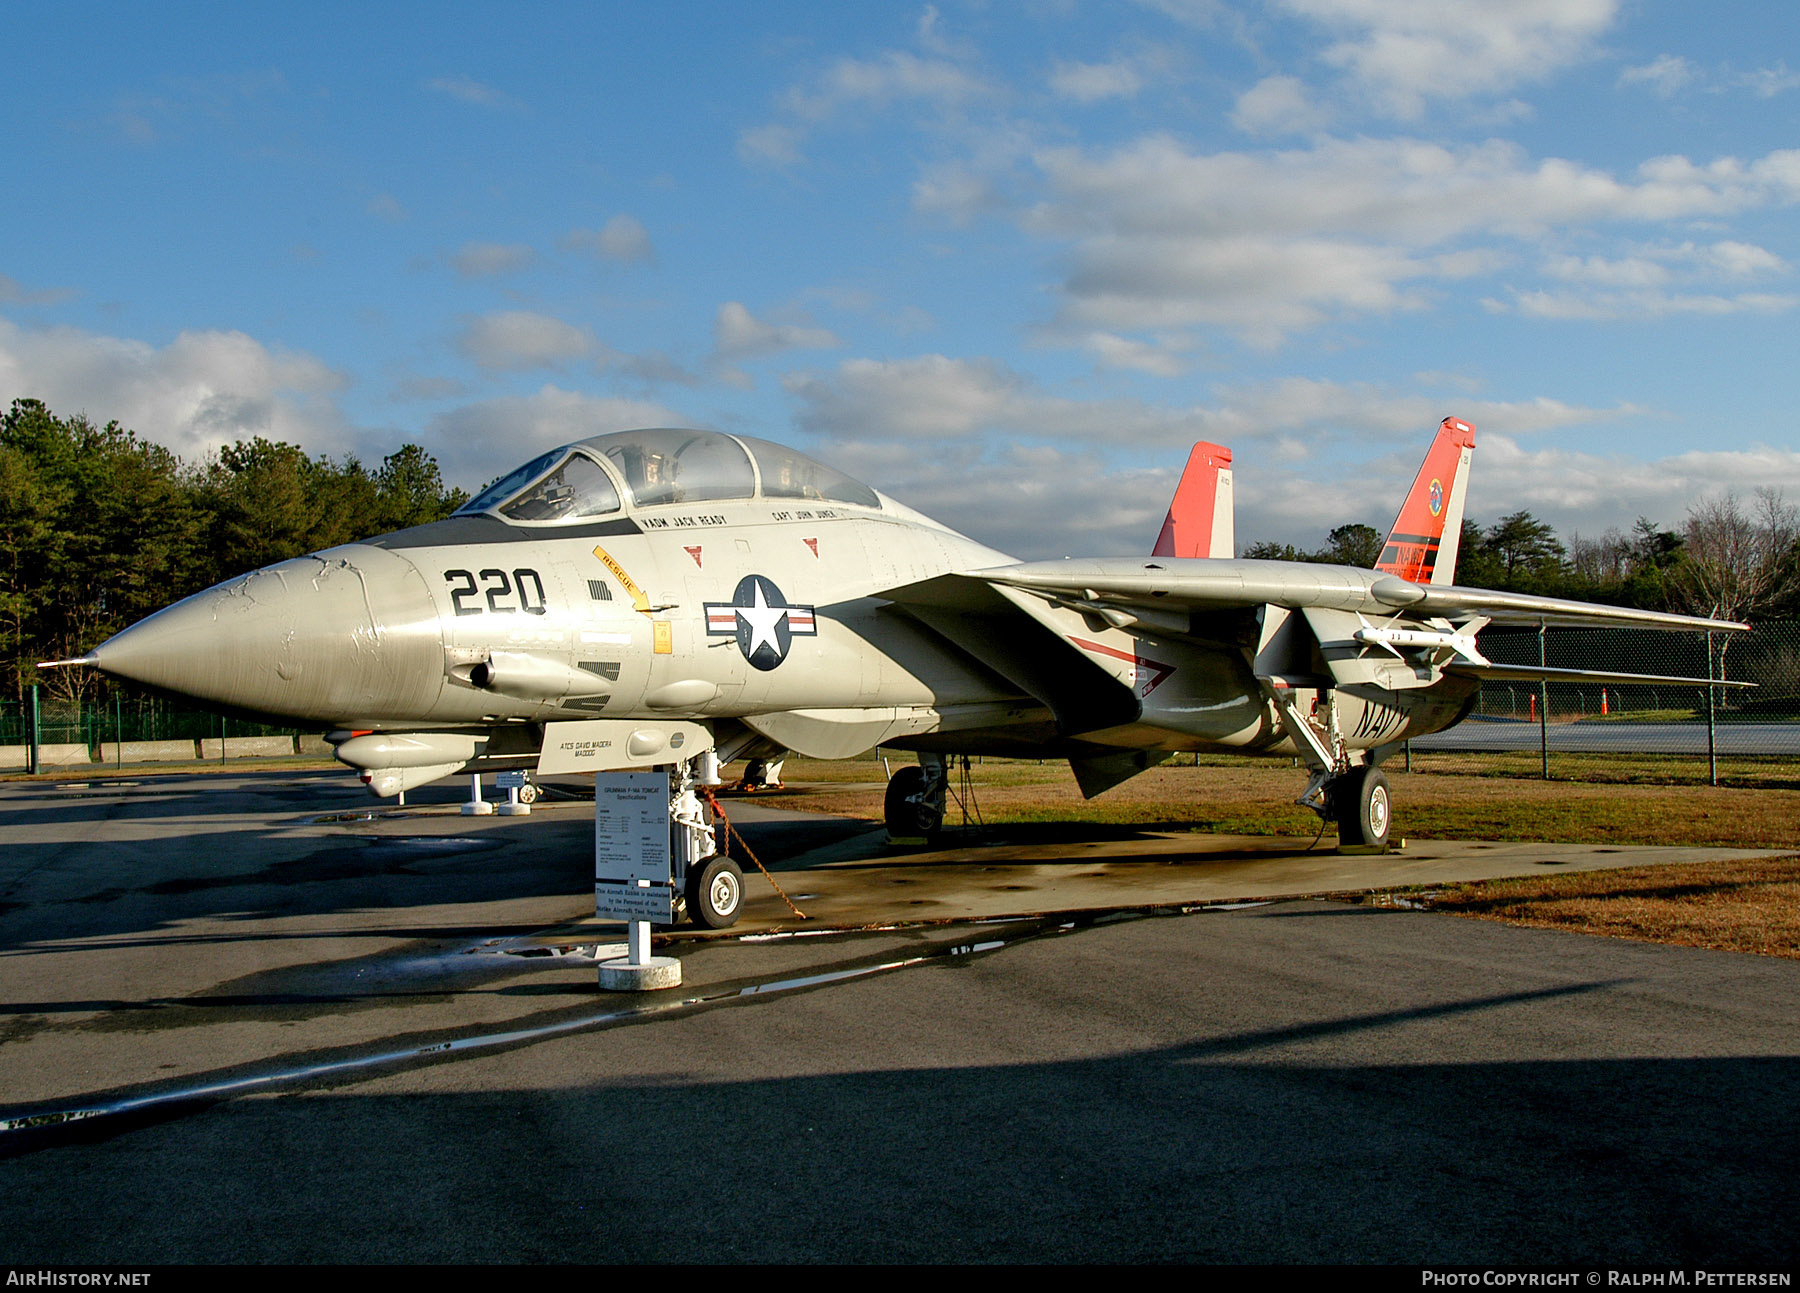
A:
35	764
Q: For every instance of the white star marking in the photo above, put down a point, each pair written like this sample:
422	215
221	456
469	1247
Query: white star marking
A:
762	619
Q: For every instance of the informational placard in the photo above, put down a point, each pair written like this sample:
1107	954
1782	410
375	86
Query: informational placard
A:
633	872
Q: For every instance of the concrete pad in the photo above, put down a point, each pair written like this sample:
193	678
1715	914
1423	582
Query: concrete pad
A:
1034	871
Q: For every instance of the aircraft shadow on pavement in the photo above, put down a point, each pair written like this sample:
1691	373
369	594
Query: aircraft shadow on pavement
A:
1181	1153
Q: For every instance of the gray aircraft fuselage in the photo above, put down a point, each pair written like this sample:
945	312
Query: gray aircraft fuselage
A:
823	626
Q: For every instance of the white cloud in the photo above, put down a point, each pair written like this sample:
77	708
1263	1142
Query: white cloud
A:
622	238
956	193
1668	74
521	339
1664	75
936	81
889	77
385	206
1640	305
1591	492
1261	288
739	335
13	292
488	259
1092	82
1647	284
940	398
937	398
466	89
202	390
1395	188
1654	266
1162	358
1269	243
1277	105
770	145
979	447
1767	82
1737	259
1027	501
477	442
931	397
1404	56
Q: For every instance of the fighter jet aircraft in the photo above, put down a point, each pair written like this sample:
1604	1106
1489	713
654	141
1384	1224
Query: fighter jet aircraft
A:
615	597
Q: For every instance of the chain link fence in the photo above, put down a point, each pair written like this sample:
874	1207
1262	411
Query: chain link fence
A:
1664	719
122	731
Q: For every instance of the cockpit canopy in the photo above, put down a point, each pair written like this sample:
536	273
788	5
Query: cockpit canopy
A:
655	468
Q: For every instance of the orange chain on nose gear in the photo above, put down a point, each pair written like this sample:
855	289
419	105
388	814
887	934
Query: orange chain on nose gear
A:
732	832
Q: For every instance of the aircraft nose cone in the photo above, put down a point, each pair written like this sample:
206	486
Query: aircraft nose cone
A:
347	633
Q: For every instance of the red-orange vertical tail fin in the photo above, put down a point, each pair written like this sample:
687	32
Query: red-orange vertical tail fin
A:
1422	545
1200	519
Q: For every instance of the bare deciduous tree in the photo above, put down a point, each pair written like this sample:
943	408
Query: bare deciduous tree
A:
1735	556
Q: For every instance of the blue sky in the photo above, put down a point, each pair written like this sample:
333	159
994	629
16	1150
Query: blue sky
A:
1005	262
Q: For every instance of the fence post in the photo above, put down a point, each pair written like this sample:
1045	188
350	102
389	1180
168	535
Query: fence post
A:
1712	745
1543	709
34	763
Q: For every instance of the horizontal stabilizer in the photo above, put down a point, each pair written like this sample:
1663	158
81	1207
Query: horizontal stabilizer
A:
1544	673
1453	601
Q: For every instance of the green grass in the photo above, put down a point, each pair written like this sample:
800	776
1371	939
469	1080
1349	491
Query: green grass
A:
1443	800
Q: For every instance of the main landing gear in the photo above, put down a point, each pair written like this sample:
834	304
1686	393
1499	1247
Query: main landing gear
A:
1354	795
762	774
1358	801
914	805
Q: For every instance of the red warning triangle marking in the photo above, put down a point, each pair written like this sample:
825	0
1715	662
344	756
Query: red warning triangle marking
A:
1140	664
813	544
695	554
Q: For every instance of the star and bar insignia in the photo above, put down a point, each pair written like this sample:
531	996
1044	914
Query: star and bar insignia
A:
762	621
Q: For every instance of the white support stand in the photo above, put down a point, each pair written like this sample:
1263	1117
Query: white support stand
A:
512	783
477	806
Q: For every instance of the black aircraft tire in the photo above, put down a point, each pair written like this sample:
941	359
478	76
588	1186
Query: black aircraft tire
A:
715	893
1364	809
905	818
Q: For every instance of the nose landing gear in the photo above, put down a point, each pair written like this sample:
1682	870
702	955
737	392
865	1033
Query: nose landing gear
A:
914	805
715	892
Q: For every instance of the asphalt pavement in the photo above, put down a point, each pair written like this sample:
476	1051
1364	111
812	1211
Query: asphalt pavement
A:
335	1037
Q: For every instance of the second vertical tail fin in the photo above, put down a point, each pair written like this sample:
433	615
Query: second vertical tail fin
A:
1422	545
1200	519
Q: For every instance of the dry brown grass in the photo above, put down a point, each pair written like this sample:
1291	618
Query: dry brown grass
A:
1255	797
1749	905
